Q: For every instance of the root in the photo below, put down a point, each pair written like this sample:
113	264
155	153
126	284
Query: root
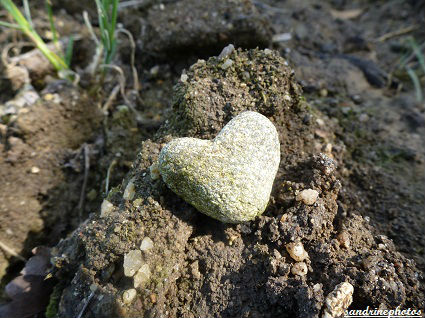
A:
86	176
11	251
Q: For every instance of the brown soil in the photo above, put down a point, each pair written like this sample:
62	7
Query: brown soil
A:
39	194
347	129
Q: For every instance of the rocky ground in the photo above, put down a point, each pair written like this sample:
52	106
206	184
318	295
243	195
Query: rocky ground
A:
77	170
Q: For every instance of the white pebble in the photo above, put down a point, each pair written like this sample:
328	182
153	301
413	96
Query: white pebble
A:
296	251
146	244
227	64
35	170
299	269
142	276
130	190
226	51
320	122
338	300
308	196
184	78
281	37
132	262
106	208
129	295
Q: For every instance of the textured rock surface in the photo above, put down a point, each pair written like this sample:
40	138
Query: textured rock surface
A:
229	178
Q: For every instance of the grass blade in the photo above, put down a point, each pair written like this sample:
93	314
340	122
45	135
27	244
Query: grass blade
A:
10	25
27	29
416	83
28	13
51	21
418	52
69	50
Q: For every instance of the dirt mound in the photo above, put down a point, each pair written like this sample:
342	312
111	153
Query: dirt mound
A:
37	143
201	267
189	27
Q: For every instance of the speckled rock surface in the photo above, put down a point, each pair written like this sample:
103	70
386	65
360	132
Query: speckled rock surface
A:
229	178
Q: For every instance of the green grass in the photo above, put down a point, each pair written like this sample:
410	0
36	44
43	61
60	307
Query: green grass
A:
413	63
24	24
107	13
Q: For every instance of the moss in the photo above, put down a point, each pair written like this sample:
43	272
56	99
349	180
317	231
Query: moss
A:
53	306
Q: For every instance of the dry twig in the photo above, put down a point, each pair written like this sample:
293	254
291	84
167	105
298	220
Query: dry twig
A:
392	34
11	251
86	175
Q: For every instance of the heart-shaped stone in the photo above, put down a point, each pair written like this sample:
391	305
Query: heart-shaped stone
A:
229	178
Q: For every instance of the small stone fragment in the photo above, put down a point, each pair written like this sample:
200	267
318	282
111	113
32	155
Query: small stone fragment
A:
307	196
184	78
226	51
194	267
281	37
35	170
344	239
132	262
129	295
229	178
106	208
299	269
130	190
296	251
227	63
154	171
338	300
142	276
153	298
146	244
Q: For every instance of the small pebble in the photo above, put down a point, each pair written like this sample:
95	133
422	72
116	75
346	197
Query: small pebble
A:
307	196
129	295
299	269
35	170
296	251
154	171
226	51
146	244
132	262
227	64
281	37
328	148
344	239
154	70
338	300
195	270
153	298
363	117
320	122
184	78
130	190
106	208
142	276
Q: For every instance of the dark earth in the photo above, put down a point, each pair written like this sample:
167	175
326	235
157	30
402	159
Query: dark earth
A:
328	74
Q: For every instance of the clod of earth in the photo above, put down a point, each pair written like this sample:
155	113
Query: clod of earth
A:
229	178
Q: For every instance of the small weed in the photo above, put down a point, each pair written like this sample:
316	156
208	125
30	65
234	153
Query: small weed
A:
24	24
107	13
413	63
